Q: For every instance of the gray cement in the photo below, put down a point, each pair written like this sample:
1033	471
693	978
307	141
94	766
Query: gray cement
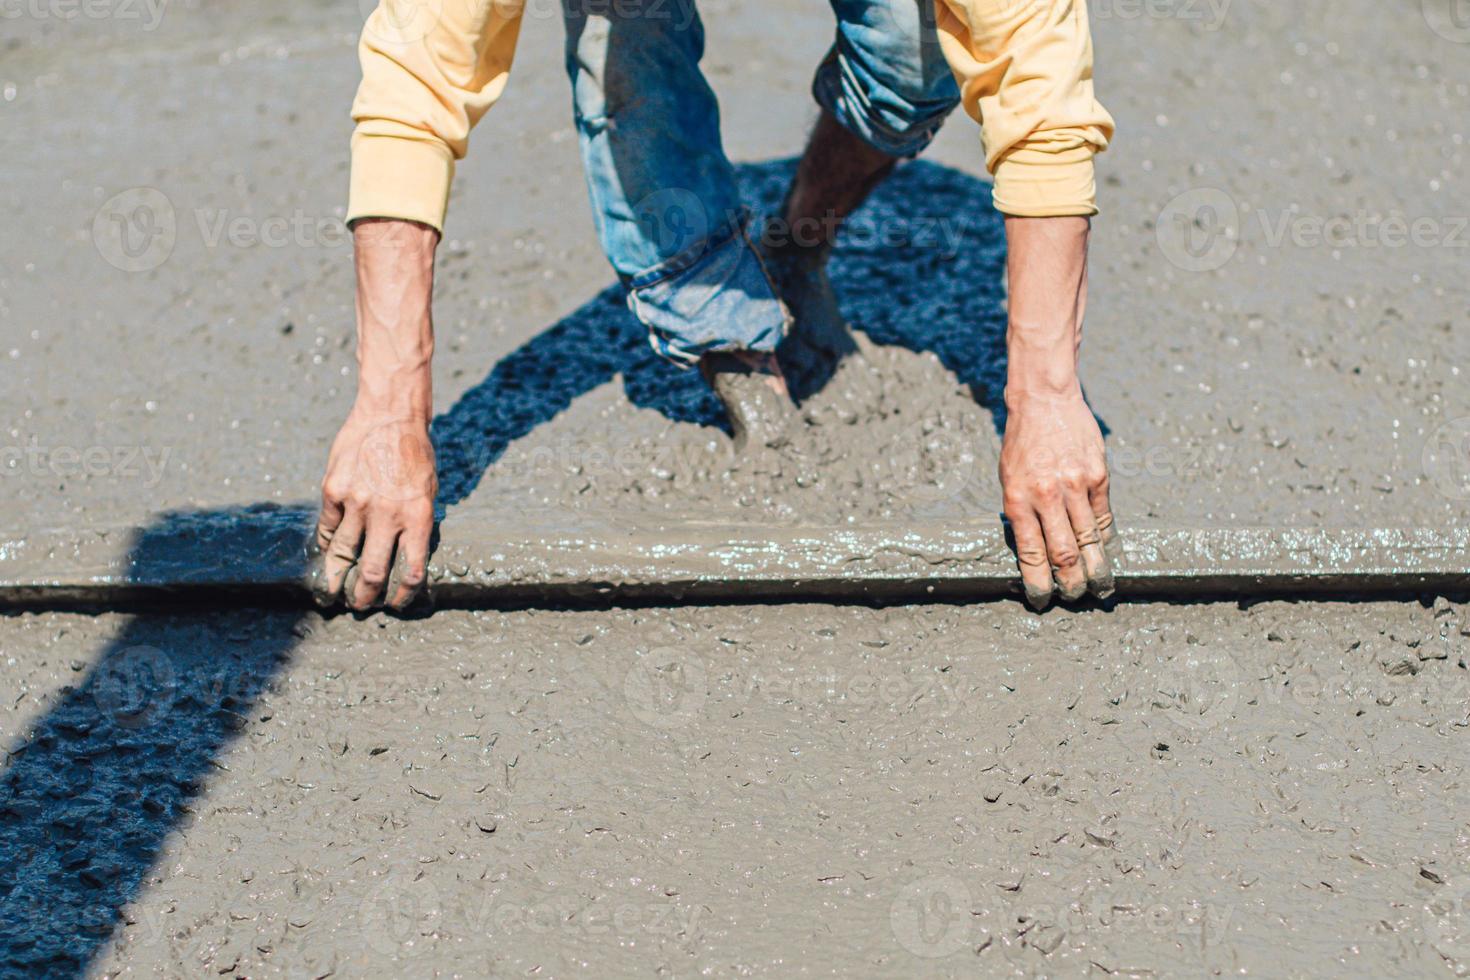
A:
1273	341
496	559
1162	790
1271	374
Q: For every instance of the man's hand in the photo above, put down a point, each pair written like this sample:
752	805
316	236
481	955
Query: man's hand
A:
1053	469
378	493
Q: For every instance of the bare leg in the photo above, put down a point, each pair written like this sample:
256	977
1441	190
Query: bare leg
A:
834	176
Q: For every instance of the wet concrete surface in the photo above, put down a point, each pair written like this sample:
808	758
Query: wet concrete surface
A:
506	560
1275	789
1163	790
188	343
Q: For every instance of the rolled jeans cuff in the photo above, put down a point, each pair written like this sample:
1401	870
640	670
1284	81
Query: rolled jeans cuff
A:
836	89
714	296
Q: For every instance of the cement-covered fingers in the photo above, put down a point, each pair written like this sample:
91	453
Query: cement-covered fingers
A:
372	538
1055	485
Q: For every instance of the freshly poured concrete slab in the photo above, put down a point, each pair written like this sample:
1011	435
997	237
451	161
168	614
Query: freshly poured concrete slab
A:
758	791
1262	347
487	558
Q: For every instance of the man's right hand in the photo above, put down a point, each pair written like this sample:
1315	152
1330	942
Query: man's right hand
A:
378	493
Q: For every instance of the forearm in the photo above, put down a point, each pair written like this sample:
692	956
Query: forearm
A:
1046	271
395	331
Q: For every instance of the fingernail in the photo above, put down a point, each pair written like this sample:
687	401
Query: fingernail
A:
1037	599
1072	593
1103	586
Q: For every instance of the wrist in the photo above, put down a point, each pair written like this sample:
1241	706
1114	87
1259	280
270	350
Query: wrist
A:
401	392
1042	369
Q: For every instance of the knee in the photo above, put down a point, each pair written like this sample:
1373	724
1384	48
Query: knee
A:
895	104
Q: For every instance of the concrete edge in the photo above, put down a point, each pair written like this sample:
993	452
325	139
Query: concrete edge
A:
257	555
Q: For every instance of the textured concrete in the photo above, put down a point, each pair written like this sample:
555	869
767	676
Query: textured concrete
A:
753	791
488	559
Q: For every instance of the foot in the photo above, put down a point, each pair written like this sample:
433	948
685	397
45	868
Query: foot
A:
820	338
753	390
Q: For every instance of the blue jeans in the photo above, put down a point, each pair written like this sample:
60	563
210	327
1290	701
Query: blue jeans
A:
664	197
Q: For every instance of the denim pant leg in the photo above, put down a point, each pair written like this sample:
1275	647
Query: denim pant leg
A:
664	197
886	79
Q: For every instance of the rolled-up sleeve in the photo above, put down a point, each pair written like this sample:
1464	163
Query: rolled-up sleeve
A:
430	70
1024	69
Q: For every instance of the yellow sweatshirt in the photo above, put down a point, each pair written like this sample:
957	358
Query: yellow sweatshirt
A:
431	68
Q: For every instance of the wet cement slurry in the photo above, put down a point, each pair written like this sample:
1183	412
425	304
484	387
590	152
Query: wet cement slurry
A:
486	559
1278	283
1263	345
925	791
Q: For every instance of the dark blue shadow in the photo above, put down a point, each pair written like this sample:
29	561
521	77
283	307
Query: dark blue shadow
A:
920	265
116	764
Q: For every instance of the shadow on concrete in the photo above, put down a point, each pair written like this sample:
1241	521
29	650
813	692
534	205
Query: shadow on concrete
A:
921	265
117	763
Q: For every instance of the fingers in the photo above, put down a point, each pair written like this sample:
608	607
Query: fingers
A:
410	571
1102	516
328	521
1062	550
373	566
339	556
1036	578
1096	568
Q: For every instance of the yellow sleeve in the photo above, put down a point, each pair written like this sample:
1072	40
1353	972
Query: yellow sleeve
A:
430	70
1024	69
